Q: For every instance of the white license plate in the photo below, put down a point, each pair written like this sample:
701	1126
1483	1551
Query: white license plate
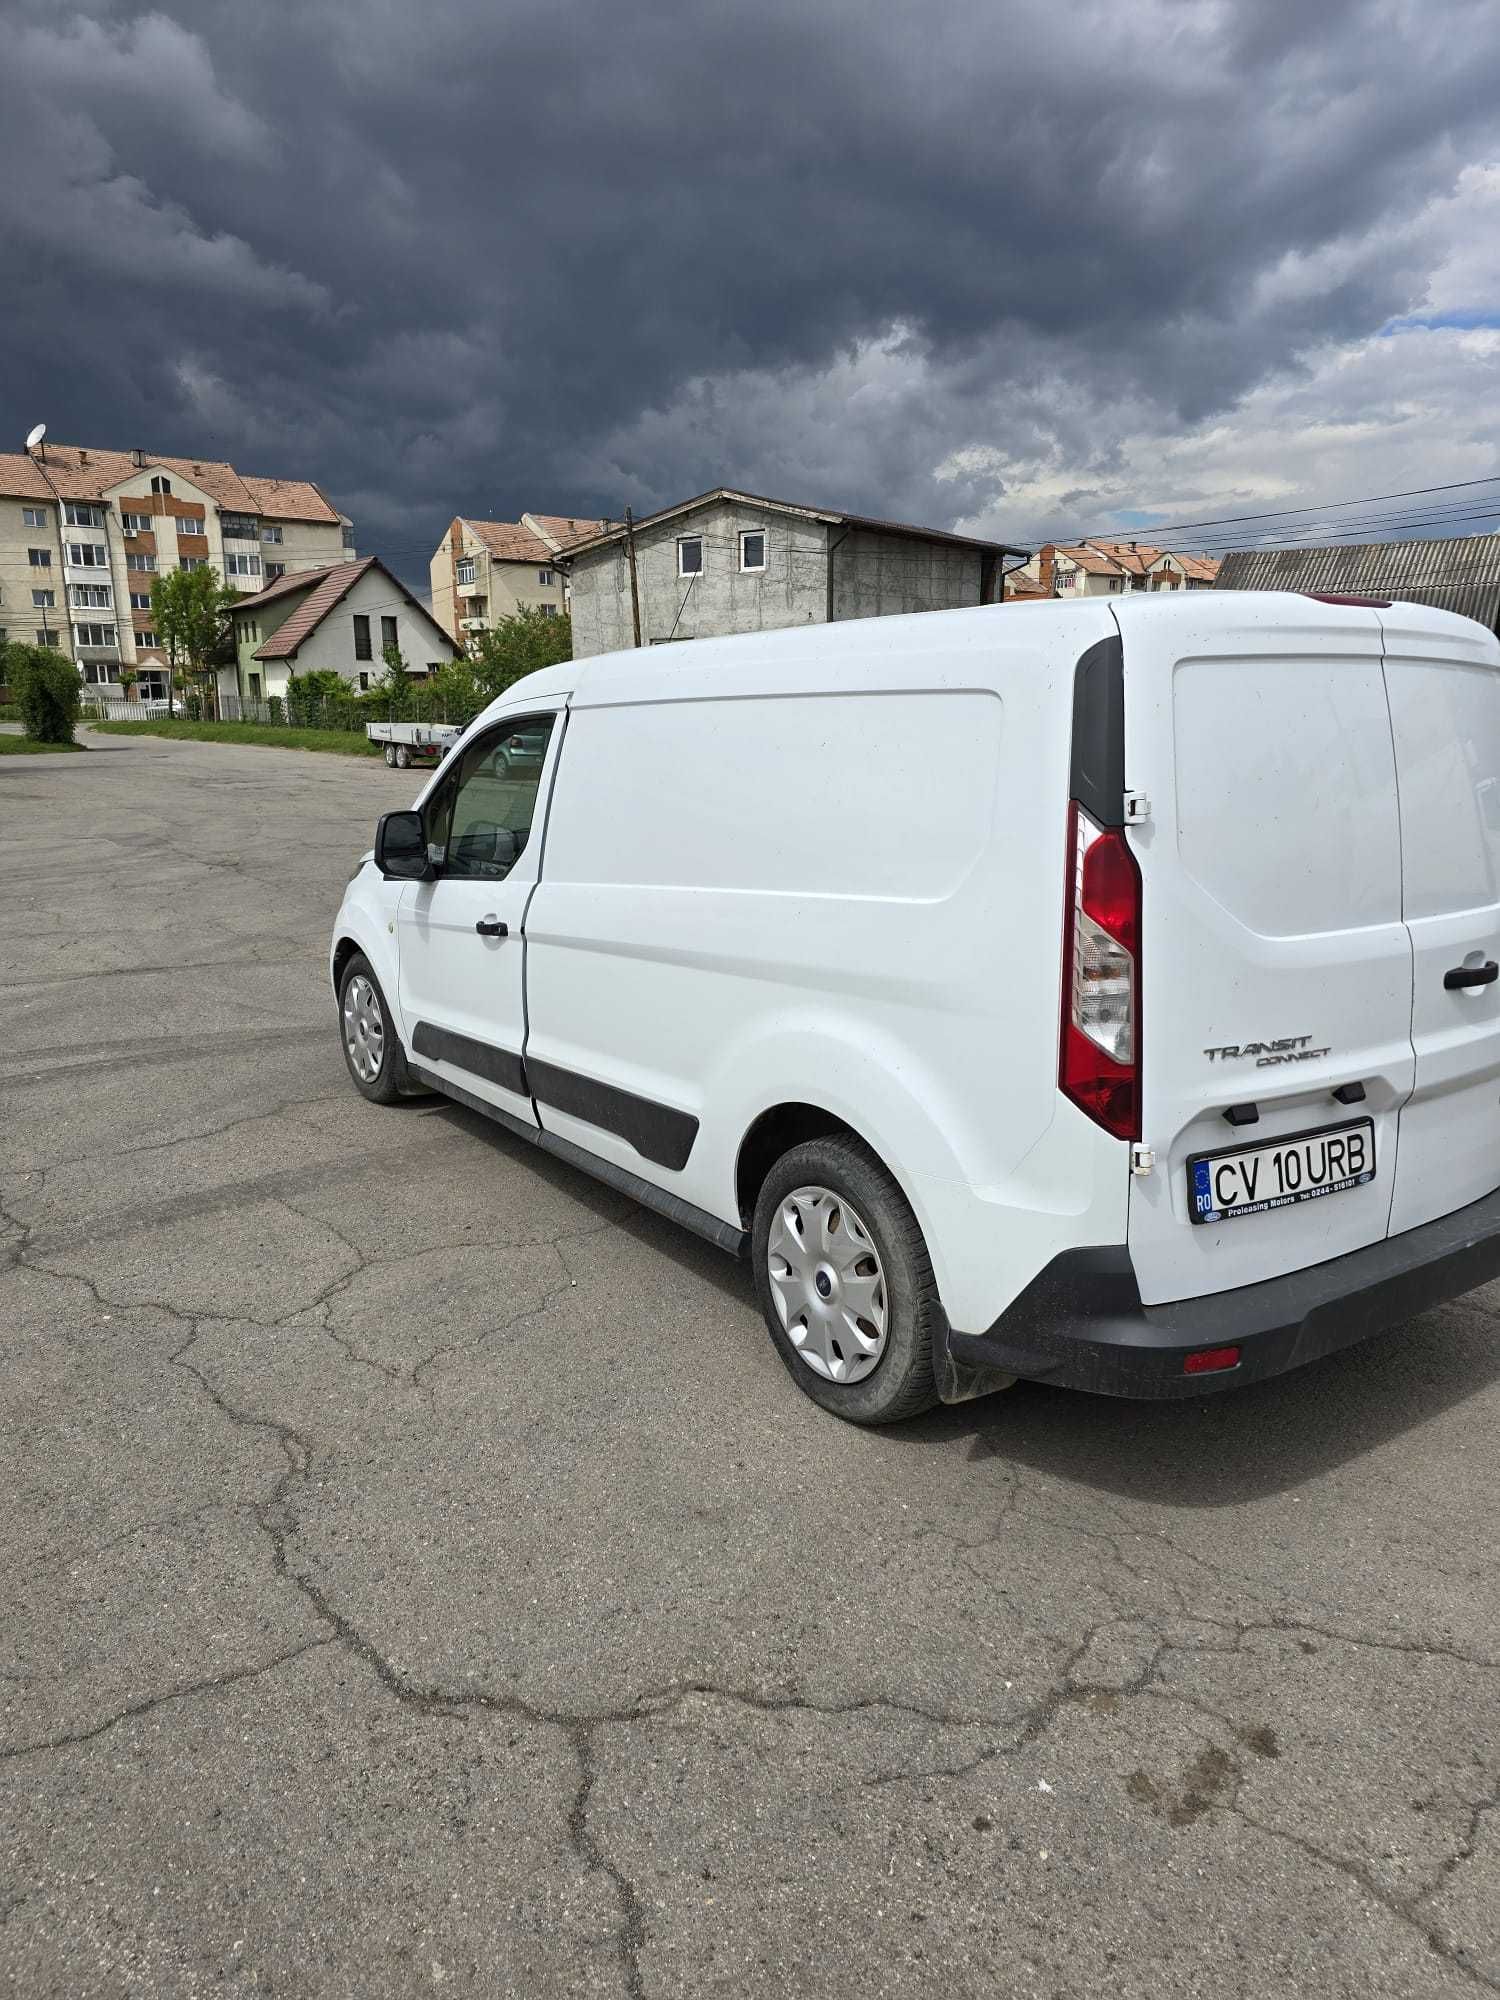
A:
1278	1173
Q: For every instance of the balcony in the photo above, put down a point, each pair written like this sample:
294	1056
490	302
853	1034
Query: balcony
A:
469	589
472	624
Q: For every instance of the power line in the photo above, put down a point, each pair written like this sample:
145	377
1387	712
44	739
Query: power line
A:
1284	513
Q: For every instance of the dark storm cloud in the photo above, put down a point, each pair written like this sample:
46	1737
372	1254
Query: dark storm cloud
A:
445	257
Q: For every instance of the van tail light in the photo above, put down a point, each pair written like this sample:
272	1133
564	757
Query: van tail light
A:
1099	1067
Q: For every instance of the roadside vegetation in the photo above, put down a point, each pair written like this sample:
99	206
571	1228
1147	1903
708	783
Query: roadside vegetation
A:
46	689
22	746
276	736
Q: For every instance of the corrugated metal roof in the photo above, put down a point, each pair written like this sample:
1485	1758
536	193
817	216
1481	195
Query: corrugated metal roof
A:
1461	574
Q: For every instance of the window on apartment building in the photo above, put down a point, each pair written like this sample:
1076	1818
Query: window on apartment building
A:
93	596
4	635
270	533
752	549
95	635
192	524
160	485
193	562
151	686
273	570
145	638
140	562
240	528
39	558
87	555
48	637
79	515
135	524
547	610
361	637
347	536
463	569
34	517
241	565
44	600
545	578
387	633
96	672
140	600
689	555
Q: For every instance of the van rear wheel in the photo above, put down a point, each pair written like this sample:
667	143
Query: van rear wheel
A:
844	1280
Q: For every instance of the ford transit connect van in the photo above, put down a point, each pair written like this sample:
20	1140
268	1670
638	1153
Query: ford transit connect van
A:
1101	993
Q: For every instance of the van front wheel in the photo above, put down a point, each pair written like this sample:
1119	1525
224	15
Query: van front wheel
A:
845	1283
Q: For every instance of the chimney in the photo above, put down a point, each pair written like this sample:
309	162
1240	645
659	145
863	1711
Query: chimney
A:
138	459
83	457
1044	564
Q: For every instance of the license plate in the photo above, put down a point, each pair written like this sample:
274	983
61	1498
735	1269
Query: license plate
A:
1279	1173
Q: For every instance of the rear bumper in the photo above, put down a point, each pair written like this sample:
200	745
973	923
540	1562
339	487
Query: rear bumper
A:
1080	1323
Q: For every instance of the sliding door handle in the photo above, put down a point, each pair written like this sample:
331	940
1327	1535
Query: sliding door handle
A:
1471	975
492	927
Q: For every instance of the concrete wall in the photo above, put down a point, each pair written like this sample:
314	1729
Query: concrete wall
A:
791	590
874	575
20	620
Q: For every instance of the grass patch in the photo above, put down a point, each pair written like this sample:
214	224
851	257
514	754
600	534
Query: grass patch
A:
339	742
22	746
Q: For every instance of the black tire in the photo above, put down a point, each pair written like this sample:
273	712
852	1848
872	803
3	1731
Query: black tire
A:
390	756
403	757
391	1081
901	1384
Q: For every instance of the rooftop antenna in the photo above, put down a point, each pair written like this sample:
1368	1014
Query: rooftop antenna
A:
34	437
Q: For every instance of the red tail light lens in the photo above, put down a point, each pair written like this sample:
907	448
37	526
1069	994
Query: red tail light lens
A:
1100	1061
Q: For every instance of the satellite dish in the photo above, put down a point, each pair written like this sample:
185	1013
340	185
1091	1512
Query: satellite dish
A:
35	436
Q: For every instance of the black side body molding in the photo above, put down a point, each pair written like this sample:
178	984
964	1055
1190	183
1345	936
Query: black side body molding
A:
1098	775
656	1131
495	1065
722	1234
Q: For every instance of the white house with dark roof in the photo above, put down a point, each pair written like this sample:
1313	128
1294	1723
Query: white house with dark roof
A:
341	619
83	532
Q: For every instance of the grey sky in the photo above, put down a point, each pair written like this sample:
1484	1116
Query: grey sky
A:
1027	268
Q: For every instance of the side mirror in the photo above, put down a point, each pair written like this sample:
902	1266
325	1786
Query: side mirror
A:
401	848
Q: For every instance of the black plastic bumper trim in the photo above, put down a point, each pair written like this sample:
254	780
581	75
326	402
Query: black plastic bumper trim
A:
1080	1322
486	1059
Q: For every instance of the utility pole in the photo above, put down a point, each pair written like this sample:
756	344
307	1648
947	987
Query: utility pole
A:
635	594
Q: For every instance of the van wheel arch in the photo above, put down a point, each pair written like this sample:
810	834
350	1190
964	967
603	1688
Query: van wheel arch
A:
343	951
775	1132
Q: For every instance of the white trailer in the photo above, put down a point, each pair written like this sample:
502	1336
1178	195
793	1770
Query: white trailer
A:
414	742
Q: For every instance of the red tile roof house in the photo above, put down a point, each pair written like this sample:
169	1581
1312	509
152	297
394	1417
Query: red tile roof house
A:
341	618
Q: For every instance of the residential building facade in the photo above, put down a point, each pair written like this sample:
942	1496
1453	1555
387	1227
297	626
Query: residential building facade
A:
84	531
738	562
485	570
341	618
1107	569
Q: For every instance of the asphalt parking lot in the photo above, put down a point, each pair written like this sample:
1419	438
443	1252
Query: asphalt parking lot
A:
419	1572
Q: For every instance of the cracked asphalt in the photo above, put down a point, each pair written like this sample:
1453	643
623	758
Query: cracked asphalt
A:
419	1571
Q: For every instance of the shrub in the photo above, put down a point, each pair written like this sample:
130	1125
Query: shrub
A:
47	690
276	708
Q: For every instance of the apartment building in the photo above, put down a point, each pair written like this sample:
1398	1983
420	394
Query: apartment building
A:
484	570
83	532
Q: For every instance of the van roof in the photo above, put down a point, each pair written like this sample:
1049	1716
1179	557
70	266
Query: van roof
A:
861	645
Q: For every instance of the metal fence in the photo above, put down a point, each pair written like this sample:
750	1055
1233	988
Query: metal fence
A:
294	710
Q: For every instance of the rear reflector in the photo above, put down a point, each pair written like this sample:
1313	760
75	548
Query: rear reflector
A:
1099	1063
1210	1360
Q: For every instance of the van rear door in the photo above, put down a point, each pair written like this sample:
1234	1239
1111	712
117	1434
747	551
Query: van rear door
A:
1275	966
1443	680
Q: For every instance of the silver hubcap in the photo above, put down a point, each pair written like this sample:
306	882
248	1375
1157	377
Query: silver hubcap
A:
364	1030
827	1281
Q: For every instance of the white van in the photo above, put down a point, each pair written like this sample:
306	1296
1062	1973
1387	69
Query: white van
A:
1100	993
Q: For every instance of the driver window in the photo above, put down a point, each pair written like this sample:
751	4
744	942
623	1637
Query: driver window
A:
490	801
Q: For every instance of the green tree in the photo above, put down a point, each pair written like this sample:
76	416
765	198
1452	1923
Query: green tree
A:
47	688
190	610
392	685
519	644
127	677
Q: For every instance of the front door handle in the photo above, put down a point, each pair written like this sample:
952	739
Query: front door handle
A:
492	927
1471	975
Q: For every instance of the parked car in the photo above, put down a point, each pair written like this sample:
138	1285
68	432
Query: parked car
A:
1101	993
